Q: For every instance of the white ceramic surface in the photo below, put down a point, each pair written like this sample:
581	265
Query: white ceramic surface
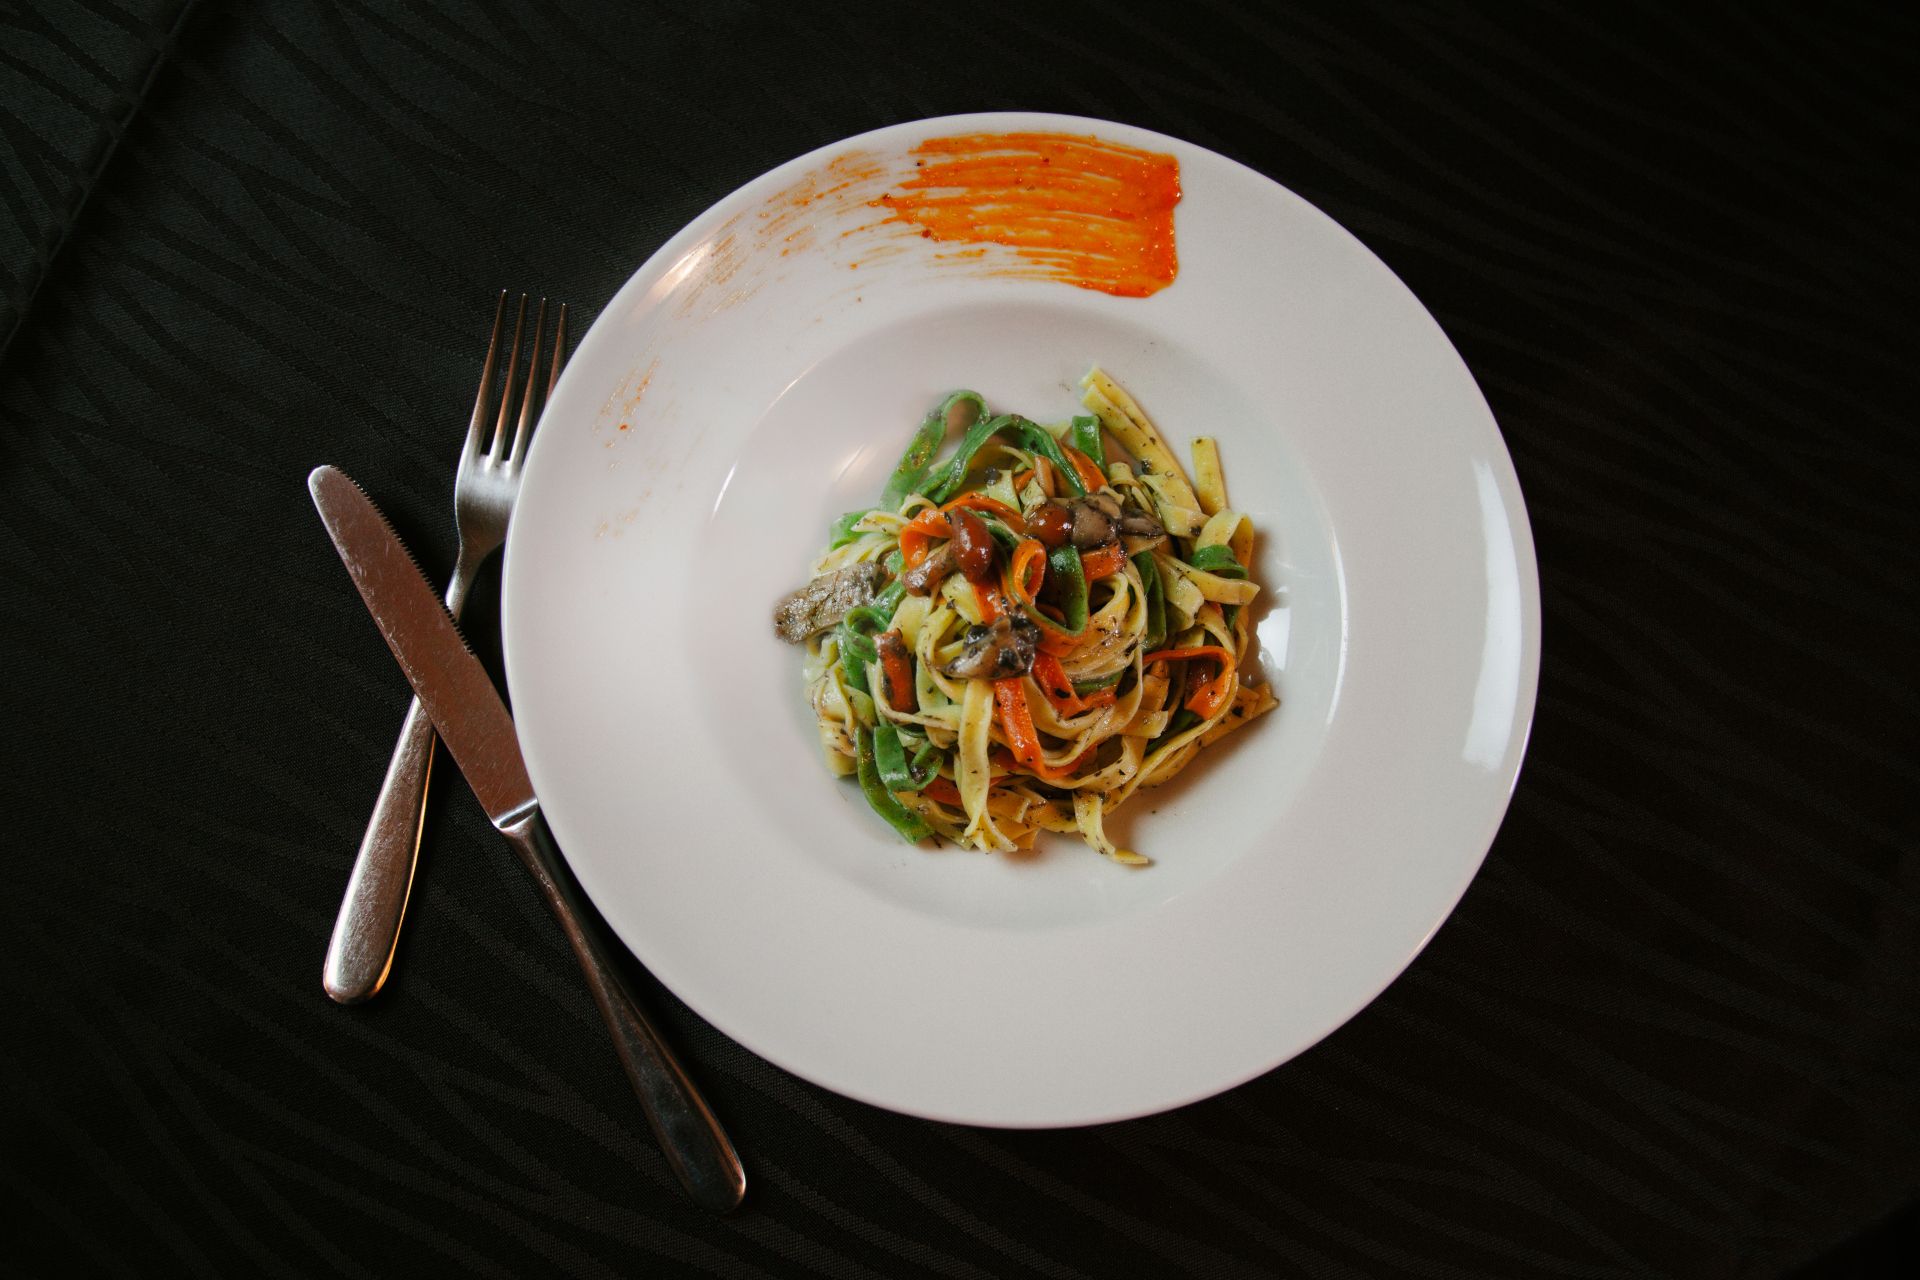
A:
733	398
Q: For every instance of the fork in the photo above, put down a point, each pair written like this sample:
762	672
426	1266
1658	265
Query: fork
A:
360	954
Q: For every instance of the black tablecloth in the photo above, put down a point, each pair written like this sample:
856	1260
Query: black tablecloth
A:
1670	1030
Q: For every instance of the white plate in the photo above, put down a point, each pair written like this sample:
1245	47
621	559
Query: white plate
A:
733	398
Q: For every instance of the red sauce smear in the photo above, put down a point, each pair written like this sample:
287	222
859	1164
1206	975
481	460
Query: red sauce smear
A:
1092	213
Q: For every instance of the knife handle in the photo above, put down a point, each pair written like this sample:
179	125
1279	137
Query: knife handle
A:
360	953
695	1145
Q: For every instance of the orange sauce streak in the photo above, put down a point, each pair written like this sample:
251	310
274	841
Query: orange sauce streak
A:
1092	213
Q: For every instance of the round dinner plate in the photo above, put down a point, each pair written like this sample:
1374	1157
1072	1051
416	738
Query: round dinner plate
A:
759	375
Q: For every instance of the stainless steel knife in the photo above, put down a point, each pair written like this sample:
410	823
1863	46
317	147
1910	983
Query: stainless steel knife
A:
474	724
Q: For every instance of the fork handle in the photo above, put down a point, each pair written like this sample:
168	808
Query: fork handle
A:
365	933
360	953
696	1147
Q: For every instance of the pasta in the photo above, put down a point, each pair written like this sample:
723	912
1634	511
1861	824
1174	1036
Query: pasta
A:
1020	636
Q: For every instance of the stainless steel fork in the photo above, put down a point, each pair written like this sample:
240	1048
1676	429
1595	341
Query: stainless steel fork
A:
484	488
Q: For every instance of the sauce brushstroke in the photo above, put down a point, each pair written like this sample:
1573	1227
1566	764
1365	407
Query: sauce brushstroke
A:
1089	212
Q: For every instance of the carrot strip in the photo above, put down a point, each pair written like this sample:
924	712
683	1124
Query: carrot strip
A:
1085	468
921	530
1025	576
1051	677
993	506
1053	682
1102	562
1196	651
1016	721
943	791
1210	697
1022	582
898	669
1059	643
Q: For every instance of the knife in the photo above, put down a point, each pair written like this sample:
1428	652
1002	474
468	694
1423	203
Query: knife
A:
474	724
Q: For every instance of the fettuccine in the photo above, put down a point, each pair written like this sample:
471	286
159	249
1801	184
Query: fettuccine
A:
1020	635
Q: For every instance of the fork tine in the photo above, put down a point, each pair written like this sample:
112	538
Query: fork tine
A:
498	450
559	348
474	427
525	428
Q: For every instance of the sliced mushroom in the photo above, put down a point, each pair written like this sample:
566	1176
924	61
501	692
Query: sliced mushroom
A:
1091	526
996	652
925	576
1099	516
825	600
972	544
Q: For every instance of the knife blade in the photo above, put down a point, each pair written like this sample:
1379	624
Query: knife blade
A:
477	729
454	688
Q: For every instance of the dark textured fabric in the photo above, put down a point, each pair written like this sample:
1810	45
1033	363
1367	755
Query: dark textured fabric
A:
1671	1029
71	77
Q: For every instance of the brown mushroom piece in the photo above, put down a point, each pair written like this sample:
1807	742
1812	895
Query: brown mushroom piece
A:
996	652
972	545
1091	526
925	576
825	600
1097	516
